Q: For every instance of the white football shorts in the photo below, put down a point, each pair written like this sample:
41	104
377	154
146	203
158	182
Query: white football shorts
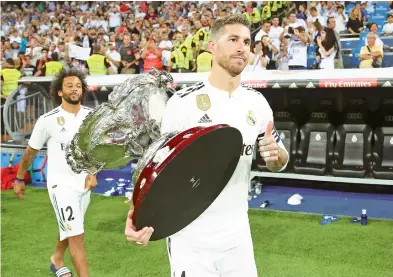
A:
70	207
188	262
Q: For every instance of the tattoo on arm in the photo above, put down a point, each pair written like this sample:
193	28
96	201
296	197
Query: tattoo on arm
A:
26	161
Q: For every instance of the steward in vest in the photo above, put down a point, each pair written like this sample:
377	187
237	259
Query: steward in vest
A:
255	15
201	38
273	7
51	68
245	13
9	78
180	62
280	6
97	63
266	13
204	61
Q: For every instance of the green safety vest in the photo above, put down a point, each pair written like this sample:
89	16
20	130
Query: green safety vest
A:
181	58
204	62
255	16
52	68
274	6
188	43
206	37
266	13
96	64
10	80
246	16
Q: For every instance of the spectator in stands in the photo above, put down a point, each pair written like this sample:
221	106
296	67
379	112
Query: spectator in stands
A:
283	58
114	57
355	23
364	12
388	27
373	28
258	60
127	52
302	12
316	31
264	31
270	51
330	10
371	55
295	22
166	46
41	61
7	50
275	32
338	61
327	47
297	48
9	78
27	70
51	68
341	19
314	17
151	56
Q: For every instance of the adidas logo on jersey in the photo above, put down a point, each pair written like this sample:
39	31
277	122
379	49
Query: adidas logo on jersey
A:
205	119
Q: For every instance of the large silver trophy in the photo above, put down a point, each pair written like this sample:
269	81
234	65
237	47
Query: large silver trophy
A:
122	129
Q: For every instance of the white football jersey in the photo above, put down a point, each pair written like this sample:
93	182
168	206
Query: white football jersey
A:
57	128
225	223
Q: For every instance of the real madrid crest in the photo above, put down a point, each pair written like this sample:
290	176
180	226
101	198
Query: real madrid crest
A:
203	102
60	120
251	119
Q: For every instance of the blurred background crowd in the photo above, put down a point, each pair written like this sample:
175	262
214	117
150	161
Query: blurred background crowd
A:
111	37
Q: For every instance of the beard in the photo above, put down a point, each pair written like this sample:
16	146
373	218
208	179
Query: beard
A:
232	68
72	102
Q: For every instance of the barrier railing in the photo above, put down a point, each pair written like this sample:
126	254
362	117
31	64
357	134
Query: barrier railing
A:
23	108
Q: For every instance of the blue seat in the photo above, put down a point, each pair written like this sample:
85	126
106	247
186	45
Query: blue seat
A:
387	41
387	61
36	174
17	158
381	9
355	57
347	61
350	44
5	159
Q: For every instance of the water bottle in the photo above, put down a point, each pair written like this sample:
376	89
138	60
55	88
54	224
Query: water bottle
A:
364	217
258	188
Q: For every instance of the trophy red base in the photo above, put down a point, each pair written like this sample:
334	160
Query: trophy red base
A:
175	189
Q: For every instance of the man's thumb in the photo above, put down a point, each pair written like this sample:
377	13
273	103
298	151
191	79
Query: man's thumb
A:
269	128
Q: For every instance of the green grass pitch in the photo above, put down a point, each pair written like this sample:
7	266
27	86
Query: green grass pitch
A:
286	244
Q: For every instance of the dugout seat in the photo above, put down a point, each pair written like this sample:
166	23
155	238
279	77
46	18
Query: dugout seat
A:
288	132
315	148
383	149
352	152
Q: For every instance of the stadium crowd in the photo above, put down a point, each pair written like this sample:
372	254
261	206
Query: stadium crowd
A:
105	37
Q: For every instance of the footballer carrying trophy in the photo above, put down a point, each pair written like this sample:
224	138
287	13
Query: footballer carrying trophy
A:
122	129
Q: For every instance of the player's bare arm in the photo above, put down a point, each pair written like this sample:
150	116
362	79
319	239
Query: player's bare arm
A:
27	159
274	155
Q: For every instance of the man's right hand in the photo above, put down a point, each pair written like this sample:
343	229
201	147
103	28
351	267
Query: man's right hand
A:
19	189
140	237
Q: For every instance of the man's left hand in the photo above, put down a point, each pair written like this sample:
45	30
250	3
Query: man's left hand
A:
268	147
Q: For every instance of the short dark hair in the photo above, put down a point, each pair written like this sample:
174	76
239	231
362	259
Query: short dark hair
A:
230	19
57	84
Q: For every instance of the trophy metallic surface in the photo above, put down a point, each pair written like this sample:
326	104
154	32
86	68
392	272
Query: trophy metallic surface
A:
122	129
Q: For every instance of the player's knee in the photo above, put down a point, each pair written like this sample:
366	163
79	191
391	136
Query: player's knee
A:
76	239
